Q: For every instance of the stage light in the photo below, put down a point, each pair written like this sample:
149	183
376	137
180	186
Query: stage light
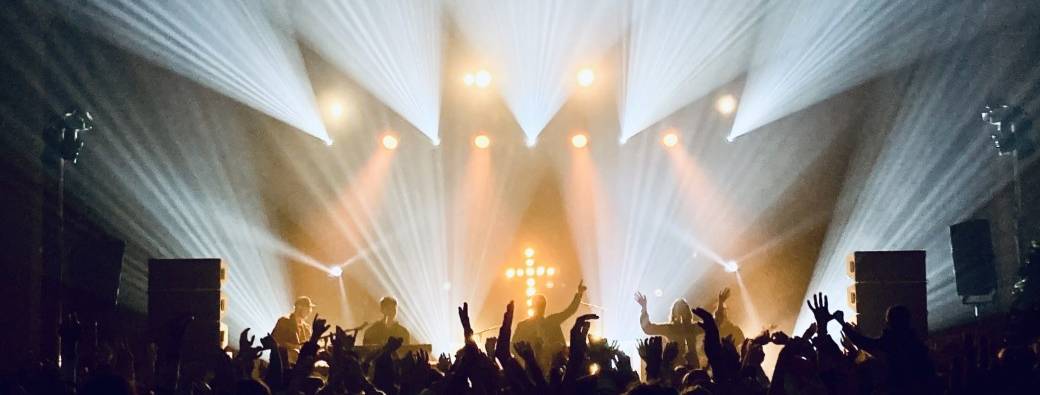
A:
531	291
579	140
482	141
335	271
329	142
731	266
593	367
658	293
550	271
446	286
529	252
390	142
586	77
482	79
530	312
550	284
335	110
530	302
531	142
510	273
519	271
541	270
726	104
529	271
468	79
529	261
530	282
670	139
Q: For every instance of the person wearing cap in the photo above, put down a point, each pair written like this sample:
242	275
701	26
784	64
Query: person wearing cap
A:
293	330
388	327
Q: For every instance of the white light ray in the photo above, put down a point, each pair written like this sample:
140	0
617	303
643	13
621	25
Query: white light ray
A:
811	50
677	51
926	163
536	47
231	46
392	48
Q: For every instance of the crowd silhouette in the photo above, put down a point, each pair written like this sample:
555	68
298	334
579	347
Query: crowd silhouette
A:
897	362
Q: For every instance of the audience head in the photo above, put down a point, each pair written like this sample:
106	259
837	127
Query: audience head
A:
898	318
107	384
388	306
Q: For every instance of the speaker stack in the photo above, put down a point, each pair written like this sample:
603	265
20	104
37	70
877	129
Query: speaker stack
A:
886	278
189	287
973	261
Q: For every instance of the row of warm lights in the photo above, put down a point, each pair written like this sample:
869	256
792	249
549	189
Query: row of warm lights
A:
482	78
390	141
725	104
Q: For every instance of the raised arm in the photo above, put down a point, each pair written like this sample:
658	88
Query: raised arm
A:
571	308
648	327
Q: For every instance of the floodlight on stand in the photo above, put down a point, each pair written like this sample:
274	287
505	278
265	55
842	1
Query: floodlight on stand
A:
1008	126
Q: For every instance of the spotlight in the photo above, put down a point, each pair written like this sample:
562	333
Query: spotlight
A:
529	302
540	270
390	142
531	142
446	286
529	271
328	142
335	109
726	104
670	139
530	282
550	271
482	79
510	273
530	312
579	140
468	79
658	293
529	261
586	76
335	271
531	291
529	252
482	141
730	266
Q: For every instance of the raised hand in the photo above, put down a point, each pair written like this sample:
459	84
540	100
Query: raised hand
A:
467	329
839	316
245	346
641	300
810	331
524	350
780	338
820	307
268	343
723	296
393	343
489	345
580	330
505	333
707	320
318	328
444	363
671	351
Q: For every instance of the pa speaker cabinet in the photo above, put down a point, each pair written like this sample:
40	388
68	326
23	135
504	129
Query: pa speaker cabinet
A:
207	305
871	301
886	266
973	261
186	274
